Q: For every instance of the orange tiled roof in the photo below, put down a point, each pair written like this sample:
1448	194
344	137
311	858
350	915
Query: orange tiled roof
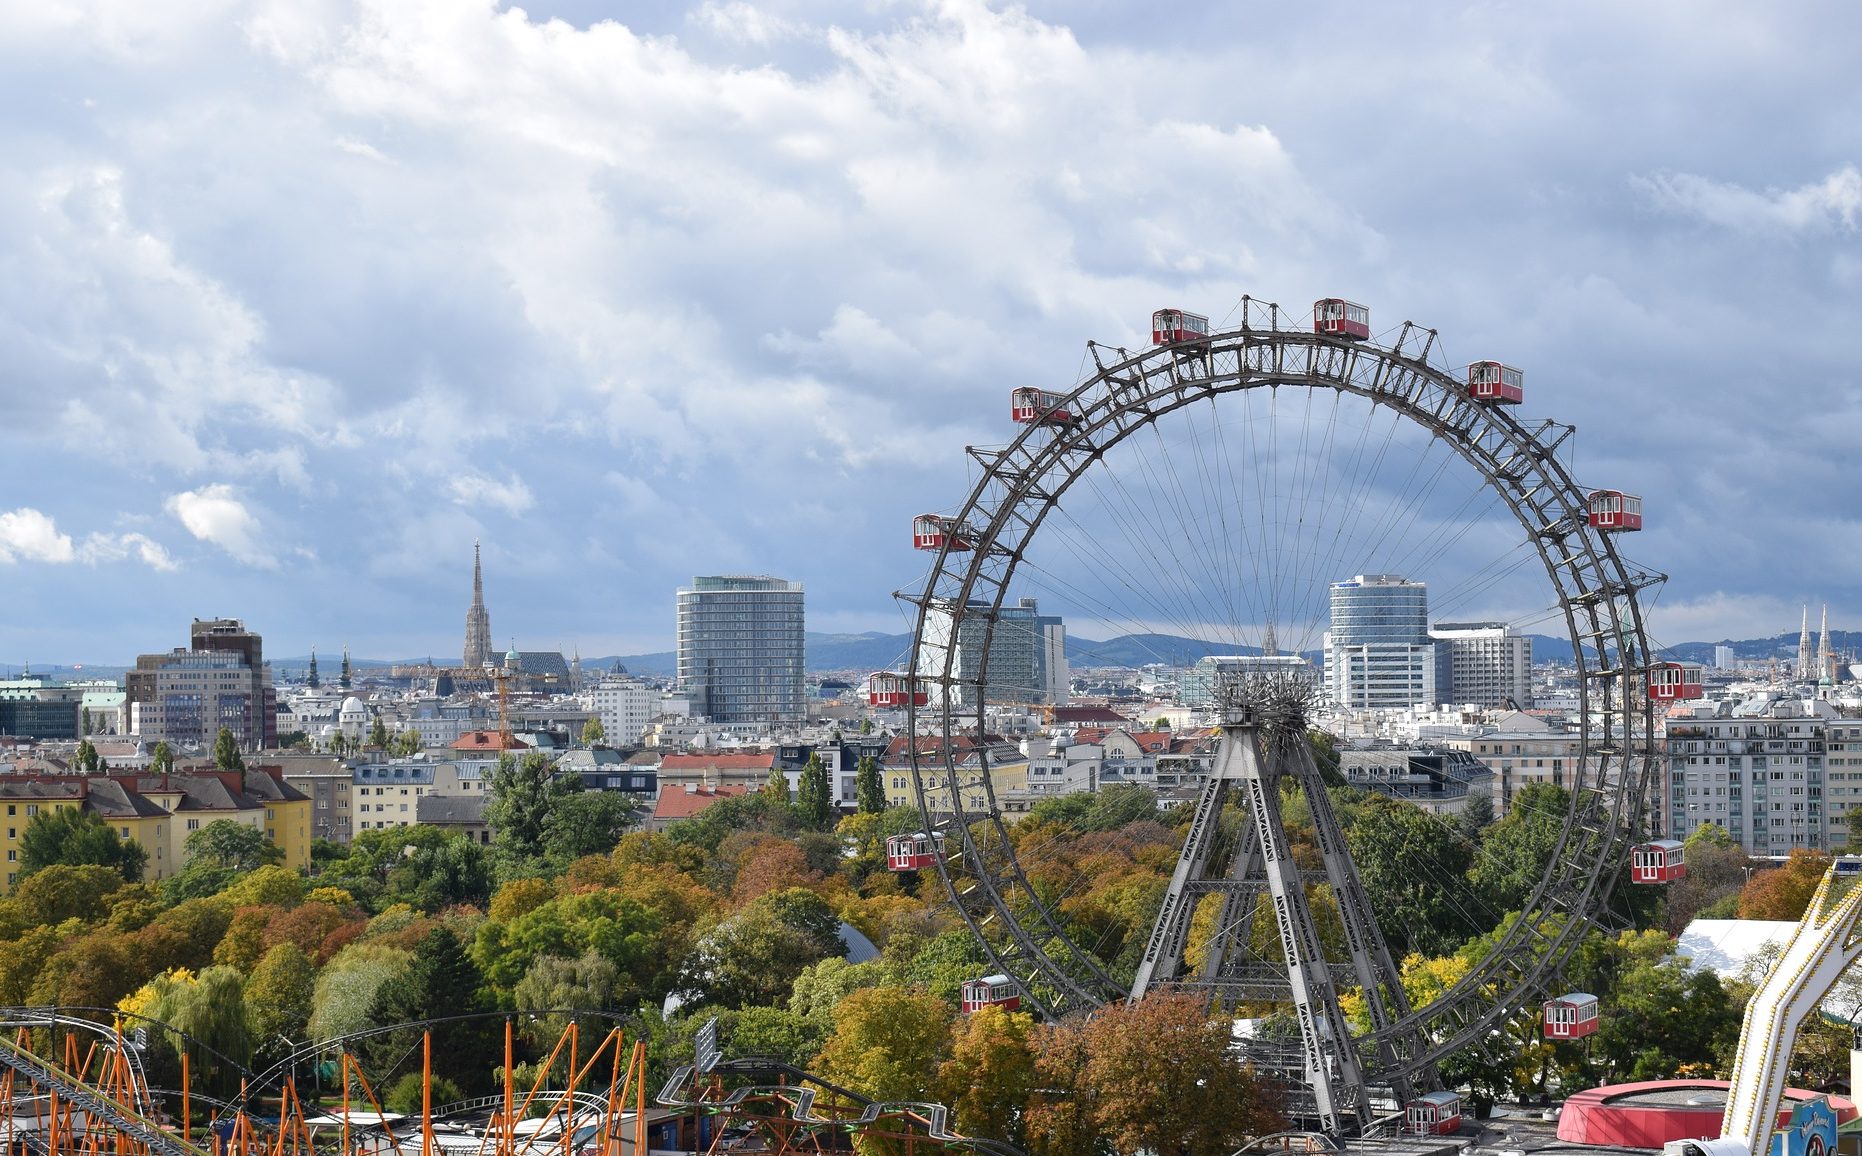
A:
679	803
488	741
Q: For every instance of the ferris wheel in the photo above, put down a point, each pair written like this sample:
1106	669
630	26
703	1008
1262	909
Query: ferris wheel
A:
1231	485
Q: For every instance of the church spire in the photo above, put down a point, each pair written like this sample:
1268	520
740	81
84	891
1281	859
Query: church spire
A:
478	620
1804	665
342	679
1823	647
313	682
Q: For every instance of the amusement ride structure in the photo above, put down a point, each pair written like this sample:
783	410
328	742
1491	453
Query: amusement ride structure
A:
1232	532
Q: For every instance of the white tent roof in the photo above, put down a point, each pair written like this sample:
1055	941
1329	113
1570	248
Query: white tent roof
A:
1724	945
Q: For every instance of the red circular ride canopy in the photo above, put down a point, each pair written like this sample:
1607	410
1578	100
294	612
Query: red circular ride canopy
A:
1649	1114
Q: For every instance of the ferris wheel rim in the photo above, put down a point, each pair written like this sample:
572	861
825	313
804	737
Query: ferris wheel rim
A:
1133	391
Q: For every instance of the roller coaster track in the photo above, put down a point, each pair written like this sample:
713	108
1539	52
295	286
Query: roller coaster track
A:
94	1103
935	1116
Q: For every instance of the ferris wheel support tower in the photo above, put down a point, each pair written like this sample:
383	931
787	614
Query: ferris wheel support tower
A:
1263	740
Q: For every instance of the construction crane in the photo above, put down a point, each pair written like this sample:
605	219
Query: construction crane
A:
502	676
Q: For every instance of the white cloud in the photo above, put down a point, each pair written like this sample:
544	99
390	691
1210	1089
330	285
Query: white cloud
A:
27	534
512	496
736	20
395	263
215	514
116	547
1832	203
30	535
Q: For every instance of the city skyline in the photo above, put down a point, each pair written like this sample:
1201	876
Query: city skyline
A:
297	321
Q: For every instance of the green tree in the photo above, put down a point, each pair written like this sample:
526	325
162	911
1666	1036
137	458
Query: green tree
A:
215	856
776	787
1412	865
232	845
407	744
814	793
1517	850
441	981
87	761
84	721
887	1043
278	999
344	997
771	1031
1476	814
592	733
1716	871
866	726
1660	1017
587	823
620	928
226	754
592	982
212	1010
869	785
427	868
990	1073
162	759
75	837
1119	805
524	793
407	1094
378	734
64	891
755	956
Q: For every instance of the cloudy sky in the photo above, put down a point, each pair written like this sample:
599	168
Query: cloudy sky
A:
300	297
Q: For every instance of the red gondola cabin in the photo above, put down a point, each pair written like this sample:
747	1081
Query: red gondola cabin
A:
1669	681
1613	511
991	991
1496	384
1571	1017
1433	1114
1657	861
889	689
1169	326
933	531
1031	406
1337	317
914	852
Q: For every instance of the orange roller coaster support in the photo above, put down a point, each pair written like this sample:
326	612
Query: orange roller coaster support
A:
426	1093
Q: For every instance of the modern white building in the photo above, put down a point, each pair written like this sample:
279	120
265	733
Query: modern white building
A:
1483	663
741	648
1378	653
626	707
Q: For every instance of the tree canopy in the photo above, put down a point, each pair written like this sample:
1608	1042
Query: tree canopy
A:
75	837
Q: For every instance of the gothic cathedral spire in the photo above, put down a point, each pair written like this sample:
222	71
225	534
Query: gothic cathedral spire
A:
478	621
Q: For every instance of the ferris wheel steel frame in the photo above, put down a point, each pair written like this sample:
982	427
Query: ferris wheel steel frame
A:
1595	589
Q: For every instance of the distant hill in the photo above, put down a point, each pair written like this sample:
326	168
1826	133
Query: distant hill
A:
875	651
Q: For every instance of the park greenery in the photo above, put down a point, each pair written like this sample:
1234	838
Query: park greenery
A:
738	915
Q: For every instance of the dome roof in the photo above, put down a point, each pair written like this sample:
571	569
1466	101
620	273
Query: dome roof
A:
353	705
